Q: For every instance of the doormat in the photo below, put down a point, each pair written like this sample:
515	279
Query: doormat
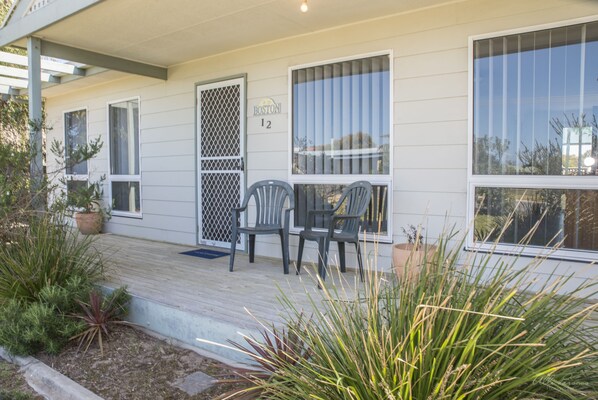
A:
205	253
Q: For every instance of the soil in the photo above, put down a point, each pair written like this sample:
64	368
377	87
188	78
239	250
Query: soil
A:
137	366
13	385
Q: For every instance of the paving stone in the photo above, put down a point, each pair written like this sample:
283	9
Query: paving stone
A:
195	383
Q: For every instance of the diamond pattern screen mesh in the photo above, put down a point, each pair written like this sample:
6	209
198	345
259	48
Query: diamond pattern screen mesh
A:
220	194
220	164
220	128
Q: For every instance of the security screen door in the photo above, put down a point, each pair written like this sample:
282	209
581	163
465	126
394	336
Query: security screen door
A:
221	148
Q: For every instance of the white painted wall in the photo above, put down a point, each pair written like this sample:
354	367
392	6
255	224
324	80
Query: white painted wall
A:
430	114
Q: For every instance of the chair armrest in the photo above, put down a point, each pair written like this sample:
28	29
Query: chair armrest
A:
312	213
337	217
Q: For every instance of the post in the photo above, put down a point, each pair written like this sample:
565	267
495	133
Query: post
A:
35	118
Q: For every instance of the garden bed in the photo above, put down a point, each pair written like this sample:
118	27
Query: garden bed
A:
137	366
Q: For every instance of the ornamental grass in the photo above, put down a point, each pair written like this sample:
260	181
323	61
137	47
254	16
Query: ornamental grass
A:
472	326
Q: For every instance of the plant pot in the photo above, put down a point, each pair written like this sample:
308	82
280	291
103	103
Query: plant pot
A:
89	223
408	262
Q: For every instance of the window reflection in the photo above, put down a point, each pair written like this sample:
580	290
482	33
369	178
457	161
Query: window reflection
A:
557	215
323	197
535	102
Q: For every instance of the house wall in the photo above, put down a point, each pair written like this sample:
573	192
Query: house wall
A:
430	60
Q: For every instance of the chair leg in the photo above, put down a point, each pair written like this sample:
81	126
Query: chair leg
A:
323	245
251	248
341	256
233	246
300	254
285	252
359	260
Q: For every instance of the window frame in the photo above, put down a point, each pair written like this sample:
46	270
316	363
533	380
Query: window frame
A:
75	177
347	179
124	178
517	181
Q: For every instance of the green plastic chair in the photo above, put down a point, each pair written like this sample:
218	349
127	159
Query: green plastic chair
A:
345	220
271	217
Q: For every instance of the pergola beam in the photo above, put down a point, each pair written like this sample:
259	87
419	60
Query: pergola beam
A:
102	60
46	65
22	73
14	82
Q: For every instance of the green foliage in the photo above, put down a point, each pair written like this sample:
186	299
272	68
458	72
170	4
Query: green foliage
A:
47	253
100	313
471	327
44	324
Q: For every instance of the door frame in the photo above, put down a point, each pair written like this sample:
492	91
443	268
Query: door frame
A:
243	140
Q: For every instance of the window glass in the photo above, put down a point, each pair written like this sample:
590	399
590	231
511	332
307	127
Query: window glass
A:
535	109
558	215
125	197
341	121
341	133
536	102
124	156
75	136
124	138
323	197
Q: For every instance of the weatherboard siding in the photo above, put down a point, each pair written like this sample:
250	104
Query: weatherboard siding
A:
430	86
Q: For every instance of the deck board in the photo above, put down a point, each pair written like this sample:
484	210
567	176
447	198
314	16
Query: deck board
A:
157	272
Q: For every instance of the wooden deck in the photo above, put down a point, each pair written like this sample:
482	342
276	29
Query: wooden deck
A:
155	271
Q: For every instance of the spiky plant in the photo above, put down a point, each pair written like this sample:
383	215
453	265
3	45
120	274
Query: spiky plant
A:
100	314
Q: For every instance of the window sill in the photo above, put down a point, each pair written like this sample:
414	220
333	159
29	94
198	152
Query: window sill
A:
569	255
369	238
127	214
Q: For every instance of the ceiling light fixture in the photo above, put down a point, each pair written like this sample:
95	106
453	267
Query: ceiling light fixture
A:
304	7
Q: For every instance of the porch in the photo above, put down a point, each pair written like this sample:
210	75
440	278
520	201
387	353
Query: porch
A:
186	297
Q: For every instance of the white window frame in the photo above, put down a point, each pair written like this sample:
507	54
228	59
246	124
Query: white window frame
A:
124	178
347	179
518	181
75	177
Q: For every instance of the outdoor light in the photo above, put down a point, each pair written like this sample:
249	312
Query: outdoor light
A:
304	6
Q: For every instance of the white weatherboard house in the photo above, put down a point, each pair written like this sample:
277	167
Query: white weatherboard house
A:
446	107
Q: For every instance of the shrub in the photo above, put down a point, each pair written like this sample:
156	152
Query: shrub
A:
44	324
46	254
473	329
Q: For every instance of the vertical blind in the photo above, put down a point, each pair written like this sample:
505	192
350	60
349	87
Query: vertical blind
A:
341	122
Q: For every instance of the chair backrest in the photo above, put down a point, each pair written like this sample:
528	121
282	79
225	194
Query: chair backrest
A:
270	197
355	200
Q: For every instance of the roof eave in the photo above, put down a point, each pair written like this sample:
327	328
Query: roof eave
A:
18	28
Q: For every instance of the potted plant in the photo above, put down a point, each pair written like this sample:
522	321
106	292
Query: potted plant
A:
408	258
87	202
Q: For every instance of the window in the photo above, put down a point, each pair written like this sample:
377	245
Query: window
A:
75	136
125	178
535	143
341	130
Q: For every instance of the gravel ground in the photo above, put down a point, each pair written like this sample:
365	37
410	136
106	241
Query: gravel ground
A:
136	366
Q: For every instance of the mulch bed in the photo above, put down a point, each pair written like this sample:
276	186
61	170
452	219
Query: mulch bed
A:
137	366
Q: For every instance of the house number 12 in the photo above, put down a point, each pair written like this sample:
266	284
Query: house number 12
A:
267	124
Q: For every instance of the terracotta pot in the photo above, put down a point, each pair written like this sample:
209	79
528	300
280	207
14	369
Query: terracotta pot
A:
408	262
89	223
